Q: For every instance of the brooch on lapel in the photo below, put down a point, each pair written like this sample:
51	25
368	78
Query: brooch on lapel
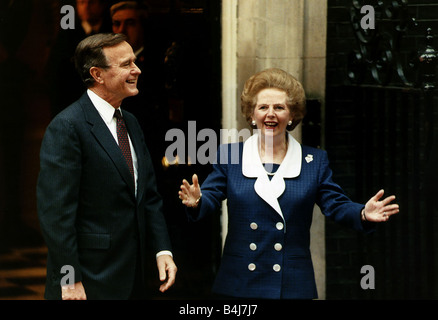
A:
309	158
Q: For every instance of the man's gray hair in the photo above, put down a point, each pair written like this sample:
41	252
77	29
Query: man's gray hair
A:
89	53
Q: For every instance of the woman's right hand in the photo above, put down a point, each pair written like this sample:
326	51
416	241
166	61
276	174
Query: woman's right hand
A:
190	194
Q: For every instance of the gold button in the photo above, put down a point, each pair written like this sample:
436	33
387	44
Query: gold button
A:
253	226
251	267
253	246
279	226
276	267
278	246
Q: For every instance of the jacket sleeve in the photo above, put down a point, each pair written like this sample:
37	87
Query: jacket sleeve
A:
213	189
335	204
155	221
58	194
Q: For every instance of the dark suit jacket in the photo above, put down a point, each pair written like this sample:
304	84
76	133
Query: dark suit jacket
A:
266	253
88	212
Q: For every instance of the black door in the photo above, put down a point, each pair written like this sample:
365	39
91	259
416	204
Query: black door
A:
381	133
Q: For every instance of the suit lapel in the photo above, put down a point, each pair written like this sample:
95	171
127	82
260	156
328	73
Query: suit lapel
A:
137	144
106	140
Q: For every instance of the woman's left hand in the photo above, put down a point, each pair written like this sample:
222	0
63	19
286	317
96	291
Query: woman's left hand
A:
379	211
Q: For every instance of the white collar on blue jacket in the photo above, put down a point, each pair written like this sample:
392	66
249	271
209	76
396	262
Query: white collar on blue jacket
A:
252	167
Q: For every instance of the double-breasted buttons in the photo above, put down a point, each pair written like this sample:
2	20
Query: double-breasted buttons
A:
277	246
252	246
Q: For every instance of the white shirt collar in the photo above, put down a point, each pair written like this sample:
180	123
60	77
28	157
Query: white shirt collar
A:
105	109
252	166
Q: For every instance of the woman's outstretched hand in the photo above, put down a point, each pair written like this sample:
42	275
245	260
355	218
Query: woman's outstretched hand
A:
379	211
190	194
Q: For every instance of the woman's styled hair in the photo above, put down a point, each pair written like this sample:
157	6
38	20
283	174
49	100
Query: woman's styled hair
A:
89	53
276	79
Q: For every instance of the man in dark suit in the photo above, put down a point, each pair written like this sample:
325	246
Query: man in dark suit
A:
98	204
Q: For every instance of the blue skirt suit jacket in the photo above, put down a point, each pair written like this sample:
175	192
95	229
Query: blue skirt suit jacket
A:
266	252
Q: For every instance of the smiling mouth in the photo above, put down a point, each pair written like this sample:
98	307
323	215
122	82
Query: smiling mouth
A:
131	81
270	125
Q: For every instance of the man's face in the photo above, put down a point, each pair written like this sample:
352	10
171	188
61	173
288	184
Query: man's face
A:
127	21
120	79
90	10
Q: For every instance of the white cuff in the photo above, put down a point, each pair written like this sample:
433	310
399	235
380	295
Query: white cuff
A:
163	253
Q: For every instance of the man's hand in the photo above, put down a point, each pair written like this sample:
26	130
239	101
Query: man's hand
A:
167	271
75	292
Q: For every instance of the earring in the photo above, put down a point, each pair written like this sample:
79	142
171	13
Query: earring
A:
253	123
289	123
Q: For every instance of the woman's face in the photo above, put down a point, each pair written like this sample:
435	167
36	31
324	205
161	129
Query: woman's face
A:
271	112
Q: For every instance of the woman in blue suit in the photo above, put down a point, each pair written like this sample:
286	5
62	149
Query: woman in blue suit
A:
271	184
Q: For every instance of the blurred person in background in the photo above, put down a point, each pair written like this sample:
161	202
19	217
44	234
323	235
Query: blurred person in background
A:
65	86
